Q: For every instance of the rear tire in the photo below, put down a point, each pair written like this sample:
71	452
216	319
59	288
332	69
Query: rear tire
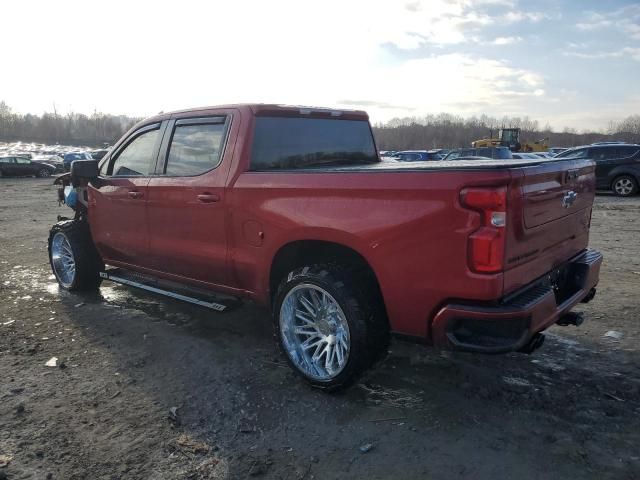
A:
347	333
624	186
74	259
44	173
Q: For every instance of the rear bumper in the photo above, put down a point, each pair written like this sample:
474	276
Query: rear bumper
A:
510	323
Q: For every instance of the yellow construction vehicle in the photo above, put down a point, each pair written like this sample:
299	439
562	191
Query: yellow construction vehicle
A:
510	137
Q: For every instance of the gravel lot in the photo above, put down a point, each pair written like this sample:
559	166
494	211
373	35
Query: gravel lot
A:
150	388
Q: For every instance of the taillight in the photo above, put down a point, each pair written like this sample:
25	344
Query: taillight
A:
486	244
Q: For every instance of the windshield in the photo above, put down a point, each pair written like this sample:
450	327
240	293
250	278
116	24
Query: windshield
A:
578	153
299	143
509	136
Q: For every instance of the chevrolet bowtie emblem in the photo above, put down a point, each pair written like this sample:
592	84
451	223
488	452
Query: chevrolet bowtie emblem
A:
569	199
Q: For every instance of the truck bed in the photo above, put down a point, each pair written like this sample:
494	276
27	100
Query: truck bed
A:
484	164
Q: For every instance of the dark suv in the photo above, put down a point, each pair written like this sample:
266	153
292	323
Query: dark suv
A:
617	165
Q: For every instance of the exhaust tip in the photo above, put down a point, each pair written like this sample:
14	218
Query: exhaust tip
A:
571	318
589	297
535	343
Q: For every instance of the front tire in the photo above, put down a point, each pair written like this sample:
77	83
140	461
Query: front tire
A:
43	173
73	257
329	329
624	186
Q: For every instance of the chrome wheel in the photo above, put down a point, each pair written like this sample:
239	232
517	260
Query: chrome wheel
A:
623	186
314	332
62	259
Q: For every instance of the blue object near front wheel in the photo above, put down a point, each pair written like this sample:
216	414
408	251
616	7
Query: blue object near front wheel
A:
71	197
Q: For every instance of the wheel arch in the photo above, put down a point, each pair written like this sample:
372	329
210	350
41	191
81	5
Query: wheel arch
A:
622	172
302	252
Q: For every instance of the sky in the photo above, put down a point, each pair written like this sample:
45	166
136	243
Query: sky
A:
564	63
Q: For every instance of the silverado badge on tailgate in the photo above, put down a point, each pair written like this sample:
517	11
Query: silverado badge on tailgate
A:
569	199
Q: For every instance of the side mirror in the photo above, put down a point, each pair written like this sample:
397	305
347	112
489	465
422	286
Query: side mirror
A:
84	170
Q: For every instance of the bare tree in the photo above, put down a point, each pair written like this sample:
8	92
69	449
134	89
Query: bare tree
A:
449	131
73	128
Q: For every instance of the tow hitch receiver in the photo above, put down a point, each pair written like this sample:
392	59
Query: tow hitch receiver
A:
571	318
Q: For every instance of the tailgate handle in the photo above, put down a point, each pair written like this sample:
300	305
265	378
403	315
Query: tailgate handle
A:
208	197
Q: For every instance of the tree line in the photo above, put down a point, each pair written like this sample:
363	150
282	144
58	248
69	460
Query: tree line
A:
69	129
451	131
432	131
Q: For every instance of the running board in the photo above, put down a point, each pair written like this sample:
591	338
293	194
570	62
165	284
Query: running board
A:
168	289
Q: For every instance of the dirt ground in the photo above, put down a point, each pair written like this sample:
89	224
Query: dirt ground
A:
150	388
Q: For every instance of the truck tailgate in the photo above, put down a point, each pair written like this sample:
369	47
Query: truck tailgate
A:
549	214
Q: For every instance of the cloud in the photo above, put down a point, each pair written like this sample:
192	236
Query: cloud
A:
506	40
451	82
519	16
375	104
419	23
595	21
625	19
626	52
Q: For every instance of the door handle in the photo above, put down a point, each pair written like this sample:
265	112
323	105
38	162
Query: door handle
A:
135	194
208	197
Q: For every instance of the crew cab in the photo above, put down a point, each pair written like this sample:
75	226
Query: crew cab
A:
292	208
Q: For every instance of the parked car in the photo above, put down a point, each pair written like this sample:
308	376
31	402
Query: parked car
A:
617	165
387	153
501	153
521	155
73	156
415	156
556	150
21	154
54	160
23	167
439	152
98	154
293	208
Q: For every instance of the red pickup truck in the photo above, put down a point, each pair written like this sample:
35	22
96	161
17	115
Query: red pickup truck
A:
292	207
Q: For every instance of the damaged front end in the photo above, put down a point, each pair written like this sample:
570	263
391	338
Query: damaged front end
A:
72	186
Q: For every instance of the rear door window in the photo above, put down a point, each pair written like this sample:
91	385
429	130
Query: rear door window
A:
135	159
599	154
196	147
628	151
307	143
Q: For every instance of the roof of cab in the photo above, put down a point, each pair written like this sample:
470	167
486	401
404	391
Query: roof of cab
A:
263	109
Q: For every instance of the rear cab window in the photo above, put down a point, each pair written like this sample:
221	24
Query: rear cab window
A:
295	143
